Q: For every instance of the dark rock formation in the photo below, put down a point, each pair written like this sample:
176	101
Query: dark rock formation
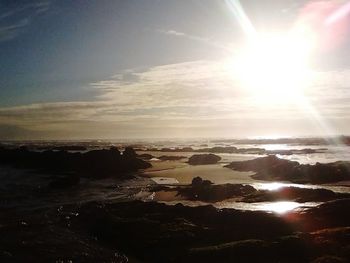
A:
70	148
204	190
65	181
294	151
145	156
198	183
95	164
219	149
274	168
90	231
198	159
129	153
295	194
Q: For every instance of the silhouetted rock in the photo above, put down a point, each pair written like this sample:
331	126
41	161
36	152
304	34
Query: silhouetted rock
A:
95	163
204	190
199	159
129	153
113	148
296	151
218	149
97	231
274	168
65	182
69	148
145	156
167	233
329	259
197	182
295	194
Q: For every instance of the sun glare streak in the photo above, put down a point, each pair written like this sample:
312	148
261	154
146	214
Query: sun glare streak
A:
338	14
327	129
272	186
280	207
242	18
274	67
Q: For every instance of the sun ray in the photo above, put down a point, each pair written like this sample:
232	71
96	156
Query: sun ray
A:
274	67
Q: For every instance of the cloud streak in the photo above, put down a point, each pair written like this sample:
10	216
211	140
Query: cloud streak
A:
203	40
183	99
13	21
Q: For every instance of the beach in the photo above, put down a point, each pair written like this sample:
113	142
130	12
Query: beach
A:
128	215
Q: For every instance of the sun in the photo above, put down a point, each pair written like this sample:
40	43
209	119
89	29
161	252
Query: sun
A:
273	67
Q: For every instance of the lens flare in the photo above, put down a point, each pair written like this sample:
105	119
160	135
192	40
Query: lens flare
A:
275	67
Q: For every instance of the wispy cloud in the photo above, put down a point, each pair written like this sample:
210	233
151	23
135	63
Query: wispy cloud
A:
183	99
201	39
11	31
15	19
172	33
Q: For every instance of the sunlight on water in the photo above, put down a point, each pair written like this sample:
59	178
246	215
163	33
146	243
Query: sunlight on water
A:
164	180
280	207
270	186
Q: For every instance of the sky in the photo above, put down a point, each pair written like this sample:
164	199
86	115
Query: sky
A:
129	69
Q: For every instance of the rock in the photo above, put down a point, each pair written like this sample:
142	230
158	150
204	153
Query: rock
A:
274	168
65	182
199	159
95	164
145	156
197	182
204	190
129	153
329	259
295	194
94	231
70	148
228	149
115	149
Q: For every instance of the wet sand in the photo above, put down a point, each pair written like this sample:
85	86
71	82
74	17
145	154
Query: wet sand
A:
184	173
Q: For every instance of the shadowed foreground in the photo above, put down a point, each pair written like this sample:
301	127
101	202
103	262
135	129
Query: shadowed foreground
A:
153	232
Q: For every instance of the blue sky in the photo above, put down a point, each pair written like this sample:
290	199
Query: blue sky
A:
57	47
153	68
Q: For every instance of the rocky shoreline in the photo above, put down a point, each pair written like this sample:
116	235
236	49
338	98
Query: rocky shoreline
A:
272	168
206	191
67	168
78	229
154	232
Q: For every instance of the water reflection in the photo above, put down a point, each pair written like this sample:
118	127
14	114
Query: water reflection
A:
279	207
270	186
164	180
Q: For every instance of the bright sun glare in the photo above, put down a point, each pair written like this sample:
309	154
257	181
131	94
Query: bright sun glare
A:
273	67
